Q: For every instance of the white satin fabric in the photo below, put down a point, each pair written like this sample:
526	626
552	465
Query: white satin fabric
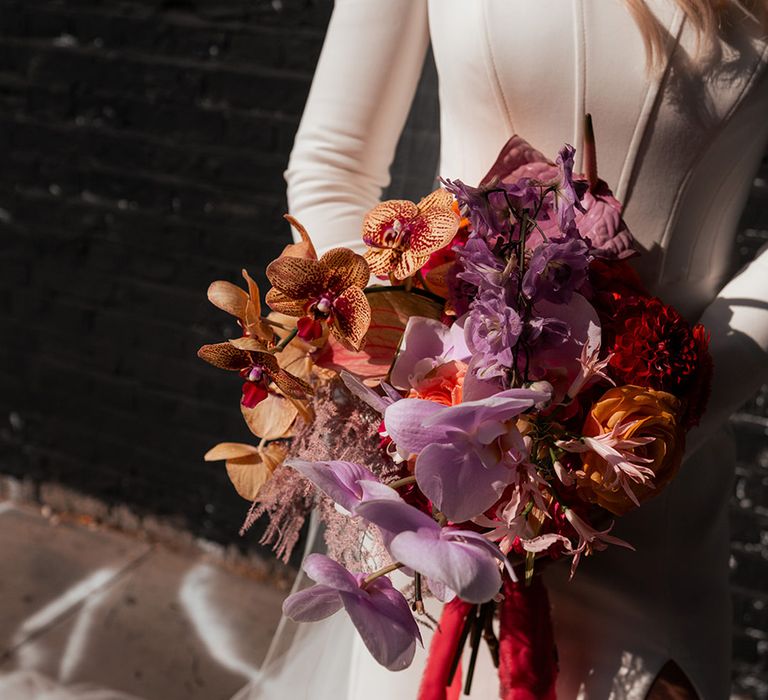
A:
680	146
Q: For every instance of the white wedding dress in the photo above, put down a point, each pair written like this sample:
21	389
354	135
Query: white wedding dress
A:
680	146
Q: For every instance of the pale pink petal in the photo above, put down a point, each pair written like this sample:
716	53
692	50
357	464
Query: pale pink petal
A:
340	481
394	517
405	424
391	645
312	604
464	567
324	570
457	482
470	415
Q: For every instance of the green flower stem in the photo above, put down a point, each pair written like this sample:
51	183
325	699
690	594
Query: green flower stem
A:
405	481
288	338
368	580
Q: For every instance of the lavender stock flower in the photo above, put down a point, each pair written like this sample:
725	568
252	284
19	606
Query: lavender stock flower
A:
492	330
479	266
567	197
378	610
556	270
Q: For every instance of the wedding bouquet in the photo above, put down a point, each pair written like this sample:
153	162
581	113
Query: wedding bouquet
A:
511	388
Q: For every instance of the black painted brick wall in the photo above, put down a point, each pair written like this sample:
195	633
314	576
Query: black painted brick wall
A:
143	145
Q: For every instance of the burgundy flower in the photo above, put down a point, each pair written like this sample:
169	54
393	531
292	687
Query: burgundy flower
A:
655	347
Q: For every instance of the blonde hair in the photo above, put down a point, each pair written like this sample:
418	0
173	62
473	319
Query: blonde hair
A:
707	17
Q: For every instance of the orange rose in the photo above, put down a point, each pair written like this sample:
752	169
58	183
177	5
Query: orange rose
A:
634	413
443	384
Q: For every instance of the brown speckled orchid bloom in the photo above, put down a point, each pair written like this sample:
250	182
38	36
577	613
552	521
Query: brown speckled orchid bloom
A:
328	290
401	235
245	306
257	367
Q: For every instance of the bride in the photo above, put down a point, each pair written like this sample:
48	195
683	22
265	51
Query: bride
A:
678	90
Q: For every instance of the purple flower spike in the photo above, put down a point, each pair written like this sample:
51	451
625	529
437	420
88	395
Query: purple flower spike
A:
461	560
344	482
378	611
566	195
492	330
557	269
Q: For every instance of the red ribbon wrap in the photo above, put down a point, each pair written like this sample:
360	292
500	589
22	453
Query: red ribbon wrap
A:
527	654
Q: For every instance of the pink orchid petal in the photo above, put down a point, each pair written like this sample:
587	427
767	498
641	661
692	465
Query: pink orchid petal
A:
312	604
405	423
423	339
390	643
324	570
365	393
501	407
397	516
457	482
391	601
375	490
340	481
464	567
481	541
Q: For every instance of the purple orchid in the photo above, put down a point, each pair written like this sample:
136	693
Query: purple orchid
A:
377	609
345	483
461	560
426	344
556	270
465	451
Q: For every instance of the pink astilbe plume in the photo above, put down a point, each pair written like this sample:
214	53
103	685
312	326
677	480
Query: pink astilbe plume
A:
344	428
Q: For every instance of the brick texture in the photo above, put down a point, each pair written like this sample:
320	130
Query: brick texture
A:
144	145
143	148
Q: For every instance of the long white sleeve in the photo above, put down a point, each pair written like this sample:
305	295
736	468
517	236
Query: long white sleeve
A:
361	93
738	322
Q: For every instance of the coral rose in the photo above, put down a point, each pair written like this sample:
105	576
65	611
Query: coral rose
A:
443	385
636	414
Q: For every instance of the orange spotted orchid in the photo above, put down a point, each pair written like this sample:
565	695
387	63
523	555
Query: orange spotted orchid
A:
401	235
258	367
328	290
245	306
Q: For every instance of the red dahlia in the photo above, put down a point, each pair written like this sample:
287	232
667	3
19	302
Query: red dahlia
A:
656	347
